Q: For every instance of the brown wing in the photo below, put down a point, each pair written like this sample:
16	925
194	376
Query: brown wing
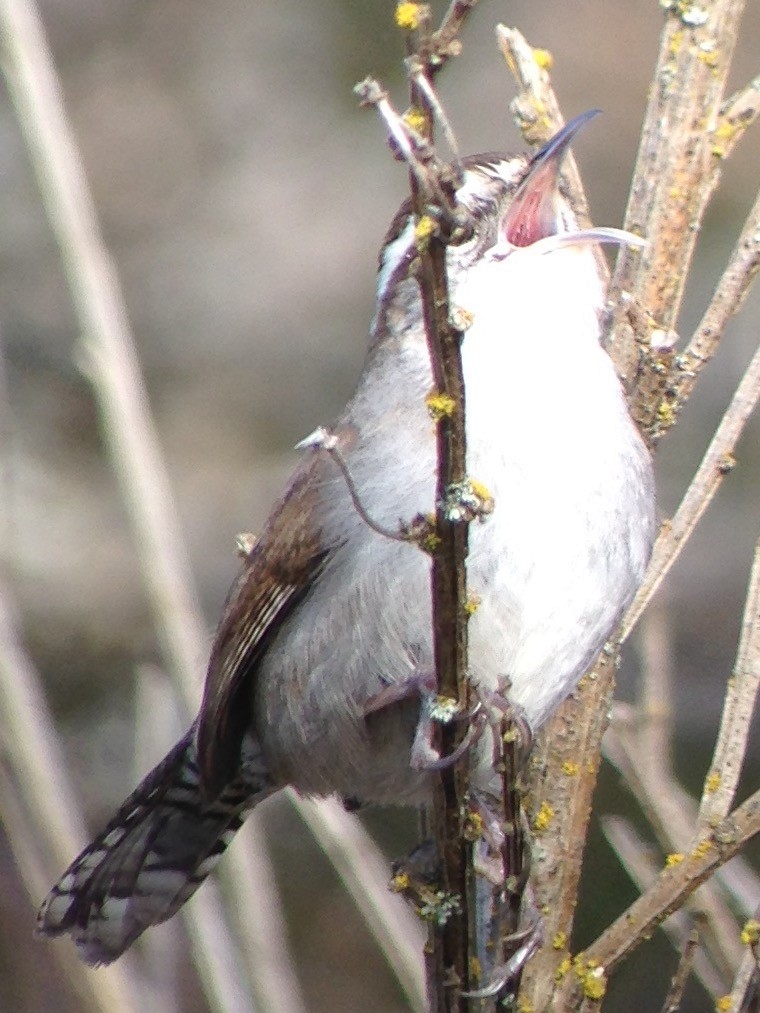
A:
279	571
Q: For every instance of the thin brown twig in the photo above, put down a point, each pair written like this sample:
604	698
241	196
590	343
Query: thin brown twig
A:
674	998
726	302
452	946
738	709
450	967
447	953
716	464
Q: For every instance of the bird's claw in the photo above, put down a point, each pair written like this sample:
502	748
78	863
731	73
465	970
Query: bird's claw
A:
524	943
426	757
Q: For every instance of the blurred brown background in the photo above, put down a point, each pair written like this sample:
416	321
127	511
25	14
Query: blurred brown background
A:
244	196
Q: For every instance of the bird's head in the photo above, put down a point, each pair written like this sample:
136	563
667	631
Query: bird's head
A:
519	210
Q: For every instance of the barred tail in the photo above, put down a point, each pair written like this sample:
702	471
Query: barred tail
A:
152	856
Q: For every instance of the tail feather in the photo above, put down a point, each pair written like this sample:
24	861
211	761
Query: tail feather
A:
153	855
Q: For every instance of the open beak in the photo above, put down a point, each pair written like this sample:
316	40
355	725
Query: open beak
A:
532	214
531	220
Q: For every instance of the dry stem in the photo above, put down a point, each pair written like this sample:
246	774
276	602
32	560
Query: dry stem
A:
745	982
726	302
450	949
739	708
677	988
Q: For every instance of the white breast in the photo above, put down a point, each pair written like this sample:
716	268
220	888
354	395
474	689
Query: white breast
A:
554	564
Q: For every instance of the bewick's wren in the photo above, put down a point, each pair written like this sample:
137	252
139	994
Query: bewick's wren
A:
328	613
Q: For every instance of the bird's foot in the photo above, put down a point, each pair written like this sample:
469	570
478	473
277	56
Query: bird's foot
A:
498	708
434	710
491	708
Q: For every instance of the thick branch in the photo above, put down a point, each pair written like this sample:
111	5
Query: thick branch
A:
673	180
564	772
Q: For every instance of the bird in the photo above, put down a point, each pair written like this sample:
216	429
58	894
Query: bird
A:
324	651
